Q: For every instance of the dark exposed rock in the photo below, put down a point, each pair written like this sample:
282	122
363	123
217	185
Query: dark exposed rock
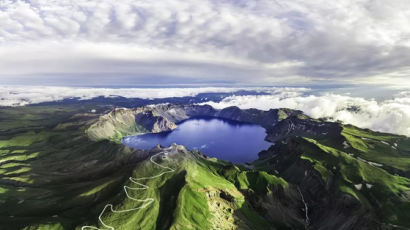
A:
164	117
328	207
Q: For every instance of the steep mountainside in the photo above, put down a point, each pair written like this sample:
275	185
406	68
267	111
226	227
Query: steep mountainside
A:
122	122
66	169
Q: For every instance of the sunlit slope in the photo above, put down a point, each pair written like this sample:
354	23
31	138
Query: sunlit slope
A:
202	193
333	160
391	152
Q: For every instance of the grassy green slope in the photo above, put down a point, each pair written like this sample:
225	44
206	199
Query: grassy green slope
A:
200	194
50	170
372	167
392	151
386	194
114	126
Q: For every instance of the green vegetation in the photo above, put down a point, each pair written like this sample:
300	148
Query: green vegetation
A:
47	164
114	126
55	226
61	166
24	139
369	182
201	198
282	115
386	149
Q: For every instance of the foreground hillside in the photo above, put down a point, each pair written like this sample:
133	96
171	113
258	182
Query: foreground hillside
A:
65	168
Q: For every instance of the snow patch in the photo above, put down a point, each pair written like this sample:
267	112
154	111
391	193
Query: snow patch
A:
345	145
369	186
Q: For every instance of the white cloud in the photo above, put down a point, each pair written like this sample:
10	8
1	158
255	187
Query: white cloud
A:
392	115
23	95
251	42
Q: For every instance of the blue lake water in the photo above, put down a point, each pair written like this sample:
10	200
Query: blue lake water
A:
224	139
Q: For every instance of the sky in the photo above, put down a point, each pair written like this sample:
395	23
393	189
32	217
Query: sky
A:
108	43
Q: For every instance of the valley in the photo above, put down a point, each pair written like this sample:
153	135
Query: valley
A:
66	168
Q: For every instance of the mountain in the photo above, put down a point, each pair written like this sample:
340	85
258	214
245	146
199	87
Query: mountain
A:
122	122
64	167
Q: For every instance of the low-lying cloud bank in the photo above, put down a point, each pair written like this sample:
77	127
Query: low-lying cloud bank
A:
24	95
391	115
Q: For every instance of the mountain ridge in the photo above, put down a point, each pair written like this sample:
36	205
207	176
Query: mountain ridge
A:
316	174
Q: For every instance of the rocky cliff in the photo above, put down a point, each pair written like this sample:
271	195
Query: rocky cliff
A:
152	119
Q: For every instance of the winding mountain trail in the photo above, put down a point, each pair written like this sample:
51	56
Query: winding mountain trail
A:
146	202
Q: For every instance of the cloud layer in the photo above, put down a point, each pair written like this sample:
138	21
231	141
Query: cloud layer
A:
246	42
24	95
389	115
392	115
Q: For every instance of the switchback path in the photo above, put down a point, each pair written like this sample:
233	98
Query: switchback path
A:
139	186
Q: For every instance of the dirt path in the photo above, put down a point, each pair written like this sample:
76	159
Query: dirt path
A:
139	186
